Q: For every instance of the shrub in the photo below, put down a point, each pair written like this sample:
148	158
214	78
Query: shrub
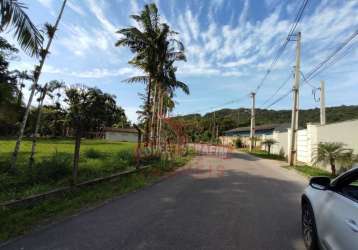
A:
54	168
93	154
127	156
238	143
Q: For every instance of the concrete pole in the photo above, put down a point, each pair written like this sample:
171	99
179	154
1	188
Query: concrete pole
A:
323	104
292	156
252	127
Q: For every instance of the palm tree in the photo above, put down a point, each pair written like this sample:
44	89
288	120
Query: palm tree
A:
44	91
141	41
28	36
268	143
21	77
51	30
332	153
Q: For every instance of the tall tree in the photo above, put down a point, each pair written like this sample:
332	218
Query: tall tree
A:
10	108
51	30
44	91
141	41
155	50
77	100
12	14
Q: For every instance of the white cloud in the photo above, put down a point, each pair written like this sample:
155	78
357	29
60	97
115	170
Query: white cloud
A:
98	10
103	72
244	12
46	3
76	8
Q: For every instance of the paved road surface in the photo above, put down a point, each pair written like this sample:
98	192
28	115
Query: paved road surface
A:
238	203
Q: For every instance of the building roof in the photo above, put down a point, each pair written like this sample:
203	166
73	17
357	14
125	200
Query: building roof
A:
121	130
279	127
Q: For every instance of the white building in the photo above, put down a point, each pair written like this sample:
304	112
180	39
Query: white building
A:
121	134
307	139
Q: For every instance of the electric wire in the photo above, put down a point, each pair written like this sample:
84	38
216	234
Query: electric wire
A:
284	45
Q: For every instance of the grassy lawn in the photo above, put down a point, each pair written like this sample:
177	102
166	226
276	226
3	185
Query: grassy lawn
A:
263	154
310	171
305	170
53	164
17	221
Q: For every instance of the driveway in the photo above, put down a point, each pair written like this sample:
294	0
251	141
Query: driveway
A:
236	202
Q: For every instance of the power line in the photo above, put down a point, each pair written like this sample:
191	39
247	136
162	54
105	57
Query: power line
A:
323	65
279	99
237	100
278	90
284	45
319	68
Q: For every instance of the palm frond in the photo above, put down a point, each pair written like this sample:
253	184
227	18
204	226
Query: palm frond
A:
136	79
28	36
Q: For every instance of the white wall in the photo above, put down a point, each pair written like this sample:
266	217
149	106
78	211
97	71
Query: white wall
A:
345	132
282	142
121	136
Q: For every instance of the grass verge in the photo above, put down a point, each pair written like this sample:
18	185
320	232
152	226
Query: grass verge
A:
310	171
305	170
263	154
17	221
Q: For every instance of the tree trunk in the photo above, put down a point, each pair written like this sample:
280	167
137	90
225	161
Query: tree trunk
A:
36	79
76	156
333	167
269	149
160	121
152	128
37	126
21	132
146	135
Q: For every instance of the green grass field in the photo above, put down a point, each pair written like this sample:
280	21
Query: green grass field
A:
53	163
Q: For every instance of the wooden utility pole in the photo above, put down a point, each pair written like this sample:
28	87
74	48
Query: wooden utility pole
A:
323	104
213	130
252	127
292	155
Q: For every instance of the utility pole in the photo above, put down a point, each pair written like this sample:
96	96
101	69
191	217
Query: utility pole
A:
292	155
323	104
238	117
252	127
213	129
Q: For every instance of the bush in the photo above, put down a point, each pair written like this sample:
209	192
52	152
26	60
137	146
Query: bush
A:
93	154
54	168
238	143
127	156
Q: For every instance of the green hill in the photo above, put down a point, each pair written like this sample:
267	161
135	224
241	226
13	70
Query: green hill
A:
202	127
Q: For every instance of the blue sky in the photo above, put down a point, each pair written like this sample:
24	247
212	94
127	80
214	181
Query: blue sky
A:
229	45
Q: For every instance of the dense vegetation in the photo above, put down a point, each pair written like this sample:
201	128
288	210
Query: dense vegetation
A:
202	127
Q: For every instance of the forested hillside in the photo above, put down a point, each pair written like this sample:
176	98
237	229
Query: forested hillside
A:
201	127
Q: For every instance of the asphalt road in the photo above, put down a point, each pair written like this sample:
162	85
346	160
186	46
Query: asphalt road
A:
237	203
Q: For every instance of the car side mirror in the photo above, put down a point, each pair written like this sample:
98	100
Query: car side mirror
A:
320	182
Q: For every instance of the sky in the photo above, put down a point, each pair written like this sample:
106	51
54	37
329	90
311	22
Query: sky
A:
229	45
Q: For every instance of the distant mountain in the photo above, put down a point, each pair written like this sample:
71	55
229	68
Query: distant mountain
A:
202	126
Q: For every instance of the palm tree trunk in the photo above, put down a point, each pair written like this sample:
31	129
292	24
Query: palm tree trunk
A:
37	126
157	121
36	79
147	128
21	132
333	167
152	130
160	120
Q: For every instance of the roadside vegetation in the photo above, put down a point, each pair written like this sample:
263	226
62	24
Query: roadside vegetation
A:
54	139
310	171
53	165
19	220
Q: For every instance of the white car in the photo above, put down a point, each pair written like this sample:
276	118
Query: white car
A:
330	212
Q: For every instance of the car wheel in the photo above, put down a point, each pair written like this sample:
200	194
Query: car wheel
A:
309	227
